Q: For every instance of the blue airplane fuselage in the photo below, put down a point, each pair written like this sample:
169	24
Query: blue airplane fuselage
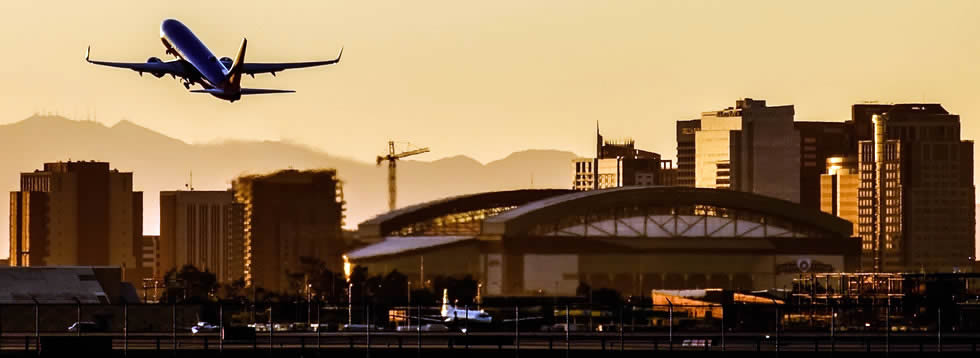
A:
183	44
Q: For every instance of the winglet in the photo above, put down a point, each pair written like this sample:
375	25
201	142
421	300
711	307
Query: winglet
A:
339	55
87	51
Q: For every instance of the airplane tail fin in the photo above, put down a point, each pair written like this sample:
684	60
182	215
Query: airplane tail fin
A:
444	310
235	74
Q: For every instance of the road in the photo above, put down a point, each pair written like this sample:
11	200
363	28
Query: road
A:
532	341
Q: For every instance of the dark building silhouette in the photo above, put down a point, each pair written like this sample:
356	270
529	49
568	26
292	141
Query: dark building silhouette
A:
818	142
618	163
916	198
77	214
204	229
686	151
288	215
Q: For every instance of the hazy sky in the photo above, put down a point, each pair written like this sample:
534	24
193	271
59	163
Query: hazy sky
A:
486	78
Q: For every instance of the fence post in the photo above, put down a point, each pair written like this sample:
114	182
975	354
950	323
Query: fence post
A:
319	326
418	328
78	315
367	329
272	328
221	327
125	328
888	326
37	324
778	318
568	342
621	340
723	334
833	322
670	323
173	326
517	331
939	330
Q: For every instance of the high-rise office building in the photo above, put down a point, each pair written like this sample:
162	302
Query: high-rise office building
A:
150	256
289	215
839	189
77	213
203	229
618	164
686	150
751	147
916	200
820	141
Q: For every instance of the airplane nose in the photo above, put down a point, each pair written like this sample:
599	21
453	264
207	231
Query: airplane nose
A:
168	25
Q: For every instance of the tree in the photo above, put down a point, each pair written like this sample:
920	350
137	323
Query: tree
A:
189	285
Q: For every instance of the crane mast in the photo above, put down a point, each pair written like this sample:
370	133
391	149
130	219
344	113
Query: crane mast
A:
392	158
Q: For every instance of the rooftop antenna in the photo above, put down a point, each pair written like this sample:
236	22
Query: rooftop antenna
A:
190	183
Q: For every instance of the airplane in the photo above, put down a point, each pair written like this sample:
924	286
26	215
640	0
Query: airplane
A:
195	64
453	316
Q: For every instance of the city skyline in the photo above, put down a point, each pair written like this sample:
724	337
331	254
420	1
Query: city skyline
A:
438	73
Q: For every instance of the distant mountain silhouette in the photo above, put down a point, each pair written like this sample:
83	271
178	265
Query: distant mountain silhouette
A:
159	162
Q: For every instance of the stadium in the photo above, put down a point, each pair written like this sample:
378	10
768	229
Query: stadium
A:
631	239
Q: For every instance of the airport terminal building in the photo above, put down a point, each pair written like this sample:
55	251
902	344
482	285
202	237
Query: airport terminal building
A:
632	239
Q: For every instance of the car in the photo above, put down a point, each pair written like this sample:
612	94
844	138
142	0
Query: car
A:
358	327
204	327
435	327
85	326
560	327
428	327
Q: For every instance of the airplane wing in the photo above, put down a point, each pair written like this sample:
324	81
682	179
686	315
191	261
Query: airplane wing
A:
244	91
255	68
157	68
433	319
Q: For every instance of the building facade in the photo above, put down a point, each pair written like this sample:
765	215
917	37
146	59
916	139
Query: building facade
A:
916	198
618	164
77	213
686	151
839	189
290	215
751	147
631	239
150	257
820	141
203	229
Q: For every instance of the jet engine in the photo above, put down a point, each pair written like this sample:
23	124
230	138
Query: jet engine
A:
155	60
227	62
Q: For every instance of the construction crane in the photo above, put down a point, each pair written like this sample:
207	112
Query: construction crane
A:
393	158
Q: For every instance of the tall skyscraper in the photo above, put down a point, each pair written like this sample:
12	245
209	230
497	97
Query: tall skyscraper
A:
77	213
204	229
750	147
916	200
686	151
289	215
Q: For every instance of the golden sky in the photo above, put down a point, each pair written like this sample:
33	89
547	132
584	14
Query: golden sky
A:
486	78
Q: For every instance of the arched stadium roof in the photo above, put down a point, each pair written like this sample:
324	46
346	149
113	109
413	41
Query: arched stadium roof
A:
408	220
638	211
720	211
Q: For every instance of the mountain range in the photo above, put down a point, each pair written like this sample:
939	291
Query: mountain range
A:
161	163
